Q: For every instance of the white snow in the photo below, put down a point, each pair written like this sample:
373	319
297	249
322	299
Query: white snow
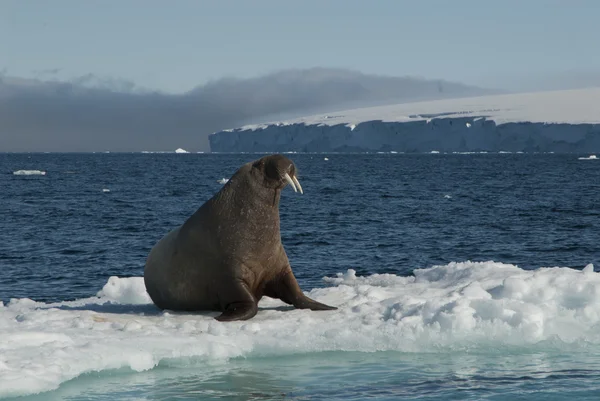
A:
29	172
455	307
564	106
528	120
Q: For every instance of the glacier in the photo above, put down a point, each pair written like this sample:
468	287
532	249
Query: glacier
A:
565	121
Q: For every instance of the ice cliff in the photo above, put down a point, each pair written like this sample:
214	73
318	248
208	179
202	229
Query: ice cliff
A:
557	121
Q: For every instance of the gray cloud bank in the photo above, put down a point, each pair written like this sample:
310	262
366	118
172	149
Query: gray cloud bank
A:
93	114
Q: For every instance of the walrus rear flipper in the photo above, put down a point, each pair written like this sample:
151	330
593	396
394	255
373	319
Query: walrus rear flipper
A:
239	304
287	289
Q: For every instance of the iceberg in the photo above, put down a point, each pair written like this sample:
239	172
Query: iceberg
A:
462	306
566	121
179	150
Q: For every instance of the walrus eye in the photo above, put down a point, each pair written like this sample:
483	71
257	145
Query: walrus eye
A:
271	171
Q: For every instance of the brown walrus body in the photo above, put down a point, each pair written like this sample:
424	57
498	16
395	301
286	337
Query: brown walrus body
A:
229	254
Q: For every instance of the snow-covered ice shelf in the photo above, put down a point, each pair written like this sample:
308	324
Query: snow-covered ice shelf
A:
557	121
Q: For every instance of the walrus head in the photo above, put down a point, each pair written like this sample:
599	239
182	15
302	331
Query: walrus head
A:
276	172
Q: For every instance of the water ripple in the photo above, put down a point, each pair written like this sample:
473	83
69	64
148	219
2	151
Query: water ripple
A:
401	212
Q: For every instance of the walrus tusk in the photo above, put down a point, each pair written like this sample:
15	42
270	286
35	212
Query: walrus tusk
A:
289	180
298	184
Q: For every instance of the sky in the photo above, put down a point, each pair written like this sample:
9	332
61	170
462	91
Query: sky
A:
178	45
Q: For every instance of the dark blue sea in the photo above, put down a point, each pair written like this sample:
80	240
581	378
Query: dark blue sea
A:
457	277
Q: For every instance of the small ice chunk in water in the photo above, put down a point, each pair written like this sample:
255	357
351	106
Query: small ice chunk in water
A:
180	150
105	190
223	181
29	172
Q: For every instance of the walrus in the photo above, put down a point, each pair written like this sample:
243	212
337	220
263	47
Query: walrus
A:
228	254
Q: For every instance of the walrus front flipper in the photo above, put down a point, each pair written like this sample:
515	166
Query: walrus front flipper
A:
242	306
307	303
238	311
287	289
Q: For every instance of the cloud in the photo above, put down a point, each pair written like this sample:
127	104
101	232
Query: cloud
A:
92	113
556	81
47	71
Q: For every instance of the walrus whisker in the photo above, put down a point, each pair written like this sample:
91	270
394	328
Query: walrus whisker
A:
289	180
298	184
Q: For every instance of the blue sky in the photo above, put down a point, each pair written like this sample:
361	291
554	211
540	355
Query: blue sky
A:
176	45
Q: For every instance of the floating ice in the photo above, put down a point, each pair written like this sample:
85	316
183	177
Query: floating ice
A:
457	307
125	291
29	172
105	190
223	181
179	150
325	158
590	157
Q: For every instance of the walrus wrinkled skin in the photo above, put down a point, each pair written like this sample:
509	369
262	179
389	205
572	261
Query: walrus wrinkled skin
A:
228	254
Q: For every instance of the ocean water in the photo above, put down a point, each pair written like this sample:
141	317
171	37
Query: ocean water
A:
457	277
